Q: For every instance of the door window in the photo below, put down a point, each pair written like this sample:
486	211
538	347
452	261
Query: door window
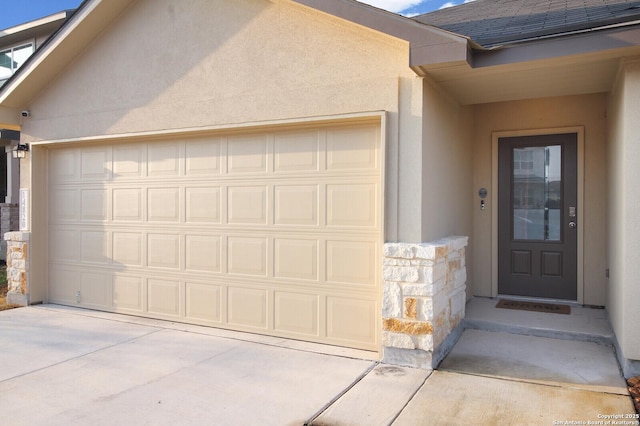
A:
537	193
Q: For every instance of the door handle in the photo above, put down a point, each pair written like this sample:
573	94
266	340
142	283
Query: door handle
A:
572	225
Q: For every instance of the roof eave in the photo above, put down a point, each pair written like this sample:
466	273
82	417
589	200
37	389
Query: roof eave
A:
31	25
591	41
429	45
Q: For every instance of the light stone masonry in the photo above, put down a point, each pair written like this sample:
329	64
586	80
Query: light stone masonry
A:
9	221
423	300
17	268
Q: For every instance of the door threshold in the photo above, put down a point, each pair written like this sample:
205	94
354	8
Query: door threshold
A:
539	300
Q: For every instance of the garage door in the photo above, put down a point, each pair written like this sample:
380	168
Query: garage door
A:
275	233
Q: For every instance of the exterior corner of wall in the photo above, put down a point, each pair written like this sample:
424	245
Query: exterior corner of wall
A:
408	182
18	265
424	298
630	367
413	358
623	231
8	223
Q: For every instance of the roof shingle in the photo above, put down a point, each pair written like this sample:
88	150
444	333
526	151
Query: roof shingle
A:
494	22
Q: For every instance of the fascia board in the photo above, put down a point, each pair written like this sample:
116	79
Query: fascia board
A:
585	43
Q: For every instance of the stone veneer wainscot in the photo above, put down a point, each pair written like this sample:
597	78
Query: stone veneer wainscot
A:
17	268
424	300
9	221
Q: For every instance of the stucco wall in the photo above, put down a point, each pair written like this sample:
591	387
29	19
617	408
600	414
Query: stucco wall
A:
588	111
623	203
217	62
165	65
447	166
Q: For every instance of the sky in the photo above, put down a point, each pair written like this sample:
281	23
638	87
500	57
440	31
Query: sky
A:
412	7
15	12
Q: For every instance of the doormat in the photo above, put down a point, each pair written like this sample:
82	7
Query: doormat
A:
518	305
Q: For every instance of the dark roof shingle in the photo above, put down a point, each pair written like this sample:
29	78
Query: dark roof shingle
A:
494	22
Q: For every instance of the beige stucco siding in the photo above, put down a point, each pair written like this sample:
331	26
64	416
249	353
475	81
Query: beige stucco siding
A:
616	205
623	203
165	66
446	202
447	165
588	111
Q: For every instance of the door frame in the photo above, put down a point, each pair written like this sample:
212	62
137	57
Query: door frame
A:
493	199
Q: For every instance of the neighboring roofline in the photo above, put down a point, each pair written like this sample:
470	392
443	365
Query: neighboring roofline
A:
68	15
59	16
64	15
80	29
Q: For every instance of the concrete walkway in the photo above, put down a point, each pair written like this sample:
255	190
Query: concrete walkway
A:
500	378
66	366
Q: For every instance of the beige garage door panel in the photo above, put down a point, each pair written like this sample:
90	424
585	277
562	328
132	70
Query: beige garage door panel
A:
275	233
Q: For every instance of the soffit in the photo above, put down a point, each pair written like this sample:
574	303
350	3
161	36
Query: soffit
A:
536	48
33	29
577	64
578	74
30	34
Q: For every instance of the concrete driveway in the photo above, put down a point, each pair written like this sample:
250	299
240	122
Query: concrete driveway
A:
64	366
67	366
